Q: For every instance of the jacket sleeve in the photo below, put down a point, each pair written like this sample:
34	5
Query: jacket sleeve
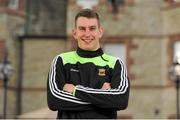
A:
58	99
115	98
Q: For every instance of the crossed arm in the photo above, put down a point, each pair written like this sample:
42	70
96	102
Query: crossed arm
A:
70	88
112	95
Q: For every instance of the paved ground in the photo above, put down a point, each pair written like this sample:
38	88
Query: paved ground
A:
43	113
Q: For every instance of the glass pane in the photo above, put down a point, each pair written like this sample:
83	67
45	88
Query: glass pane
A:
87	3
13	4
116	49
46	17
177	51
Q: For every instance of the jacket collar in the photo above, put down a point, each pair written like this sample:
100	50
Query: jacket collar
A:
89	54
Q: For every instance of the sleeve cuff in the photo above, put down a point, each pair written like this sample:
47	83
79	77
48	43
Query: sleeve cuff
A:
74	91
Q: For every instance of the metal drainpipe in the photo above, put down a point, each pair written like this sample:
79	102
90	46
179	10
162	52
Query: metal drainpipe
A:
28	17
21	57
20	78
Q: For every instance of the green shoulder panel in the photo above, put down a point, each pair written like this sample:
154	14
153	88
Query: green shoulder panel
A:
68	57
73	58
111	60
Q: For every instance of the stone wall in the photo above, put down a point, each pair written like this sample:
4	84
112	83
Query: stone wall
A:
147	61
148	24
144	17
171	20
10	28
38	55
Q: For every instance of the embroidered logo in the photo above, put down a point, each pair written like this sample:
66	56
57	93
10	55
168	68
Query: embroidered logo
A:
102	72
74	70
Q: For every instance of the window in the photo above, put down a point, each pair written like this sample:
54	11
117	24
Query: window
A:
13	4
87	3
116	49
116	4
176	53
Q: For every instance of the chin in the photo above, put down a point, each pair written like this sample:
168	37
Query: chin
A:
88	48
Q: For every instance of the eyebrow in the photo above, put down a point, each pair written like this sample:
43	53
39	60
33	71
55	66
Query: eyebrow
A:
93	26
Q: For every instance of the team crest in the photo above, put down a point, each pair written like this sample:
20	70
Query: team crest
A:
102	72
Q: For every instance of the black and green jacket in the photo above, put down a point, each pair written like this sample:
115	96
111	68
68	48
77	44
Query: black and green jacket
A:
88	71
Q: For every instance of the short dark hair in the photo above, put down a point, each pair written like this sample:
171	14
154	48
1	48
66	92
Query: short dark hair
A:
88	13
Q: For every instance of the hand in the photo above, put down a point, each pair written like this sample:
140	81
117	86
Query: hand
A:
69	88
106	86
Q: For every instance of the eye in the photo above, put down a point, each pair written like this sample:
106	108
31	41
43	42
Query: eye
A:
92	28
82	28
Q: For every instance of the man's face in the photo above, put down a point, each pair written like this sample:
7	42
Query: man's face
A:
87	32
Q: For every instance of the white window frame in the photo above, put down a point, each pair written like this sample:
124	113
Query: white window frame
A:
176	52
111	49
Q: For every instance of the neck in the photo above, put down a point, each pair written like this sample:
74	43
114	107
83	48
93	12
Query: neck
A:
88	53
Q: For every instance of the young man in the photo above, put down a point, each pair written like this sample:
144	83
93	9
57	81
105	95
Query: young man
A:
87	83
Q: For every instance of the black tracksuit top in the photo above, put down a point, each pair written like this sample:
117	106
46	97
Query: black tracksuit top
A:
88	71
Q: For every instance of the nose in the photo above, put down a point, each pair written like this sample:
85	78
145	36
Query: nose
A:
87	32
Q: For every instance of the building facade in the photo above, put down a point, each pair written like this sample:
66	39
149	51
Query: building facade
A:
144	33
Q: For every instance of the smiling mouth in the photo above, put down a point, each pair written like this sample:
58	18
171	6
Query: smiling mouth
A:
87	41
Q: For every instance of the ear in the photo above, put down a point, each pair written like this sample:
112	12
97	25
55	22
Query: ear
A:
101	31
74	33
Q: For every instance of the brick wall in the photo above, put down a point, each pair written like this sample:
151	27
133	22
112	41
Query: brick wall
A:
2	49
